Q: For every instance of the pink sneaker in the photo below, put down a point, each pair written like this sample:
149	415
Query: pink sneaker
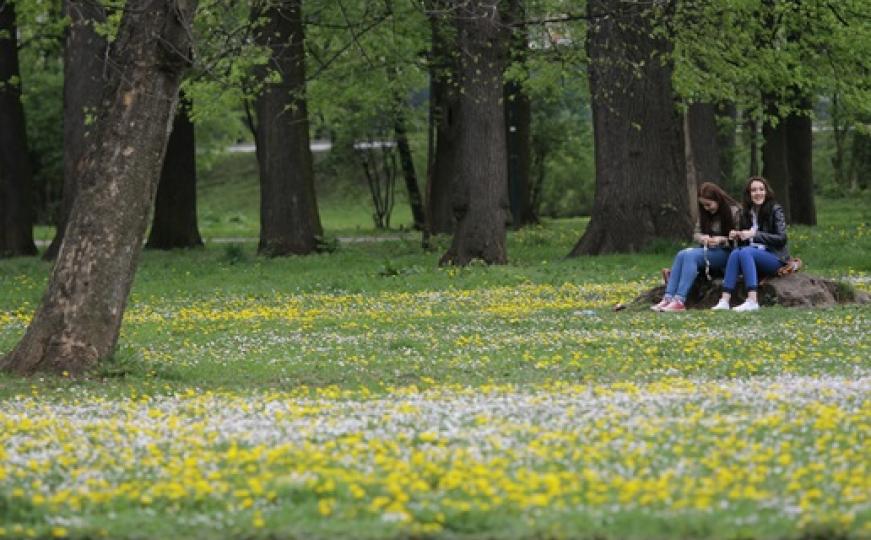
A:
662	303
674	306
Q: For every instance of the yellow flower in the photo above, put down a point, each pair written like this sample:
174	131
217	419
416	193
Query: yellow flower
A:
258	522
325	506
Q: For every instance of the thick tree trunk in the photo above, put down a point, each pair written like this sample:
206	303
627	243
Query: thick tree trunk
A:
78	321
16	197
860	159
518	122
175	208
703	133
480	194
690	160
799	148
407	161
753	143
289	219
641	190
775	166
726	117
518	112
446	120
85	71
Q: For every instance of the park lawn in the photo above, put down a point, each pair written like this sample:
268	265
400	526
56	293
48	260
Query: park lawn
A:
367	393
228	199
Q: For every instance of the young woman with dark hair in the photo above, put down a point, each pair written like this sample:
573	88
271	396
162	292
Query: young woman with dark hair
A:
763	235
718	214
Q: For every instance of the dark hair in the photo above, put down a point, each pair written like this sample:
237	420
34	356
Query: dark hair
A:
712	191
765	209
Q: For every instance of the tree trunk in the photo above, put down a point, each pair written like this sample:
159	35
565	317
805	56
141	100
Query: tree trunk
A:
16	178
840	132
690	160
480	198
84	74
726	116
446	120
289	219
775	166
641	191
712	132
753	142
703	133
860	159
799	148
407	162
175	208
78	321
518	122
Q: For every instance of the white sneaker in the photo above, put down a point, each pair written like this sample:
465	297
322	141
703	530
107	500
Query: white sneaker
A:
722	305
747	306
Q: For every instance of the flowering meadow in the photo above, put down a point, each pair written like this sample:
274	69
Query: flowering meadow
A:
369	394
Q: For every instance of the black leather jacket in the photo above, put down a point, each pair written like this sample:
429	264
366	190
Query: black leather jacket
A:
771	231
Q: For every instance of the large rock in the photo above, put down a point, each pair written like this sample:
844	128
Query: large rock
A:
793	290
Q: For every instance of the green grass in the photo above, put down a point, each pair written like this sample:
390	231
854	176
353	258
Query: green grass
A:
229	203
368	393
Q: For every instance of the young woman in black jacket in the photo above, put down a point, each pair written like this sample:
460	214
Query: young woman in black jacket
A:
763	238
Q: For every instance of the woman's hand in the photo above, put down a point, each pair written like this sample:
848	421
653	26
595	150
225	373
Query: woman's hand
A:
741	235
714	241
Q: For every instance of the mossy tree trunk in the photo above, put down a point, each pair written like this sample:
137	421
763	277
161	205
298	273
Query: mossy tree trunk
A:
78	321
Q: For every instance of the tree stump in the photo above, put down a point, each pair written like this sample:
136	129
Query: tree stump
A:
793	290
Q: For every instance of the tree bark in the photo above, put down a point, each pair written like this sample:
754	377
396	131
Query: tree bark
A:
480	201
641	190
407	161
84	75
175	208
289	220
692	172
703	133
753	142
860	159
799	148
79	318
16	177
446	123
518	122
775	166
726	117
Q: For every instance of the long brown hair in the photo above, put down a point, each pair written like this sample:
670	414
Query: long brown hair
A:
765	209
712	191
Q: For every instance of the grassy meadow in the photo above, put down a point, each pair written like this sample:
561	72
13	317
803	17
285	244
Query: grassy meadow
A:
367	393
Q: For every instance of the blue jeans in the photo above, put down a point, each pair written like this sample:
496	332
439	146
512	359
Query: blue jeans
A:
750	261
687	265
